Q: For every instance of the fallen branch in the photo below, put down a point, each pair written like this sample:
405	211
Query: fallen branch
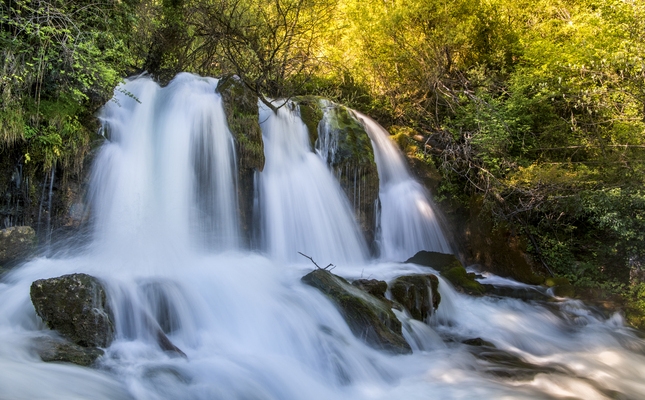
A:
318	266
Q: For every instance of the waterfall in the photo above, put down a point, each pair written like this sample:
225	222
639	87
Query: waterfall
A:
407	220
302	205
166	247
167	174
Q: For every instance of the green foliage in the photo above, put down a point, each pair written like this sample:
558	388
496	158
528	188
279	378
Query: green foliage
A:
59	63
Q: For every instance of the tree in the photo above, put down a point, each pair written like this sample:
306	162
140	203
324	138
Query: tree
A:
274	47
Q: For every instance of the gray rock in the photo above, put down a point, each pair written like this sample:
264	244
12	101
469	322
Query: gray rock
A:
16	243
369	318
58	350
372	286
417	293
76	306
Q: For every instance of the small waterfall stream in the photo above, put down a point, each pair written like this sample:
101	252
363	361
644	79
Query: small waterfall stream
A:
302	206
407	222
166	245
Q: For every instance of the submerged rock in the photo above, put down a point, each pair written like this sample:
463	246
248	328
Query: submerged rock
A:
369	318
16	243
451	269
76	306
417	293
52	350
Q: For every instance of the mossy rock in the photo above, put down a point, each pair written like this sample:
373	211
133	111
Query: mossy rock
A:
54	350
76	306
16	243
439	261
311	114
450	268
564	291
460	279
419	294
372	286
242	115
343	142
369	318
556	281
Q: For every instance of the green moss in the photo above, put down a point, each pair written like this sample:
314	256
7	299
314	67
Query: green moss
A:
311	114
556	281
459	277
242	115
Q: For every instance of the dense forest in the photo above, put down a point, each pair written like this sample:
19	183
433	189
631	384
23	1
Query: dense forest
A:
533	112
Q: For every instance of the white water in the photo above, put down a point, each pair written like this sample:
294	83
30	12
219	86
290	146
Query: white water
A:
302	206
249	327
407	220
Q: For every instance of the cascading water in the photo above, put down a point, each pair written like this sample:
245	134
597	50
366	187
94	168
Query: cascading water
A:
301	204
167	173
407	221
247	325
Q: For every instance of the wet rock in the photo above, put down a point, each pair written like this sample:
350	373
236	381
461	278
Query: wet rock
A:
341	140
451	269
521	293
58	350
16	243
242	115
478	342
372	286
369	318
76	306
417	293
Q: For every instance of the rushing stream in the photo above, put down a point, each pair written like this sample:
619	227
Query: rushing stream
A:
167	241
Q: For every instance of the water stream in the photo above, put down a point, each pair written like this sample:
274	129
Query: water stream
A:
166	245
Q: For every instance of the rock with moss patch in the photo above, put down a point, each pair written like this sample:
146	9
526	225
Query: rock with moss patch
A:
451	269
76	306
58	350
372	286
341	139
16	243
242	115
417	293
369	318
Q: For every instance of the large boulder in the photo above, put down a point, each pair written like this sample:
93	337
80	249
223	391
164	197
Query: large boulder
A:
417	293
450	268
76	306
369	318
16	243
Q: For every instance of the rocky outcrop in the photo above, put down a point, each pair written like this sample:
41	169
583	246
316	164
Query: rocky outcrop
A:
417	293
369	318
76	306
242	115
451	269
16	243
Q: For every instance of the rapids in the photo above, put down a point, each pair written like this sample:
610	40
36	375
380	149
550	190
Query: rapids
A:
166	242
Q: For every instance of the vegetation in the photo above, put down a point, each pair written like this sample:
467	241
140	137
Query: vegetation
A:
533	109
